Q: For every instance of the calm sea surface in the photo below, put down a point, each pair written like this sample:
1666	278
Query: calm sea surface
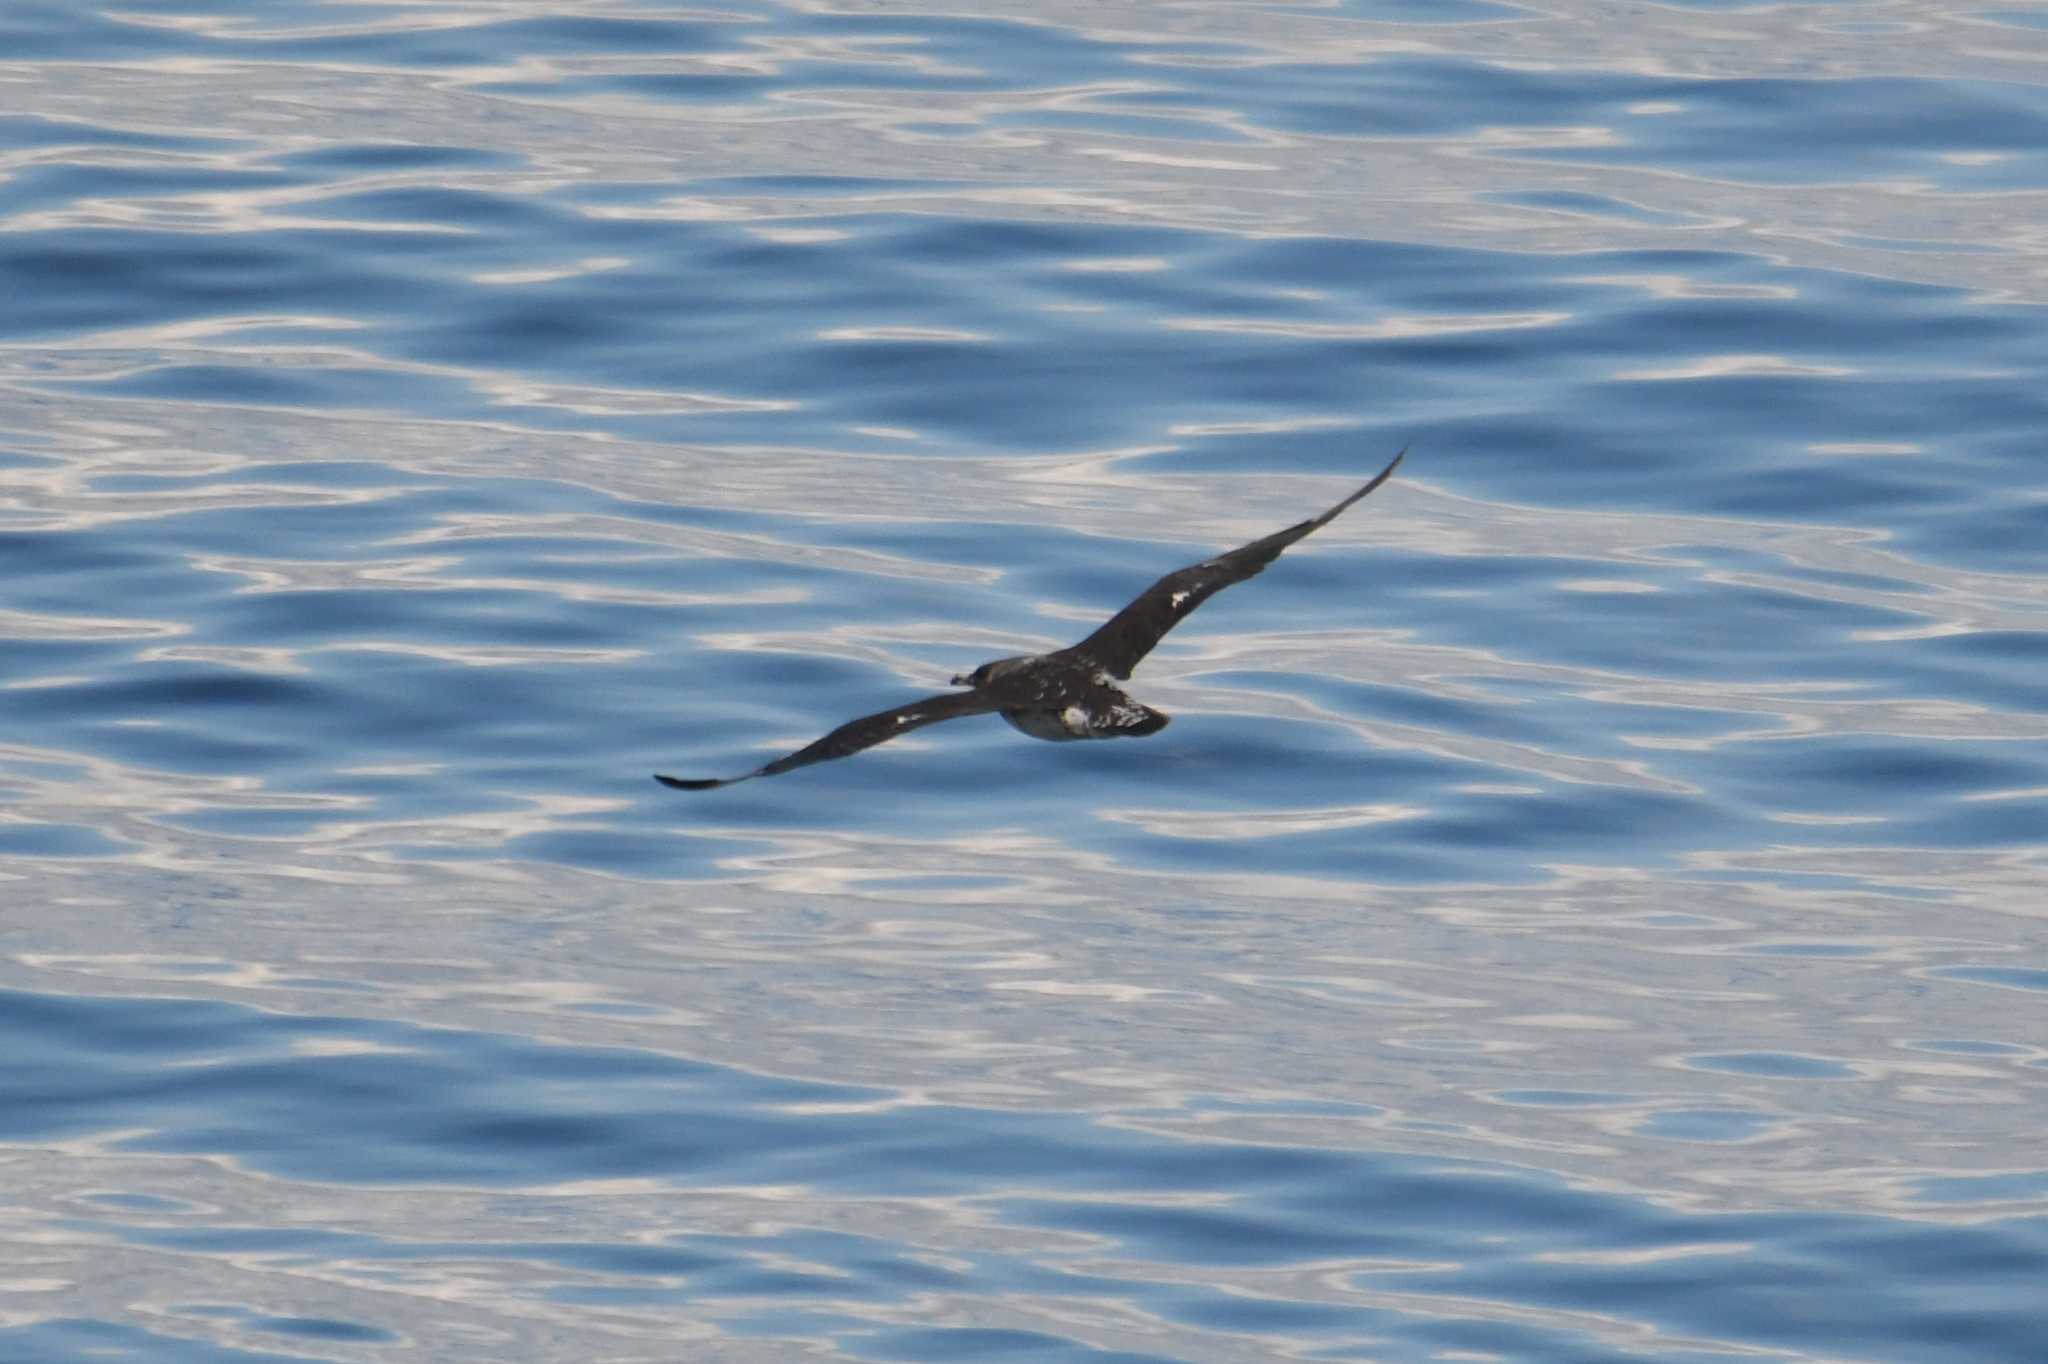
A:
1590	907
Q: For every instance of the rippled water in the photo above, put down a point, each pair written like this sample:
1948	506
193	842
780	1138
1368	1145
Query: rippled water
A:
1588	905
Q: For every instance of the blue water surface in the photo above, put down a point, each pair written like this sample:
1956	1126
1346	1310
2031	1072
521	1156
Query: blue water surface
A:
1586	905
1071	1210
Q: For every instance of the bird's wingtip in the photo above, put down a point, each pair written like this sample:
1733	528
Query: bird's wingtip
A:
1381	477
690	784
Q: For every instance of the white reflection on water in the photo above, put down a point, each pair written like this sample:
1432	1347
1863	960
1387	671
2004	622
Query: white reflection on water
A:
1465	979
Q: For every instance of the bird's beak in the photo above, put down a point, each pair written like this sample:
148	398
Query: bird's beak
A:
959	680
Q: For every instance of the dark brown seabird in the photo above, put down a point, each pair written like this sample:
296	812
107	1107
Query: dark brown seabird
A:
1072	692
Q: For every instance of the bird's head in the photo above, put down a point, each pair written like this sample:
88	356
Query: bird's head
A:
989	672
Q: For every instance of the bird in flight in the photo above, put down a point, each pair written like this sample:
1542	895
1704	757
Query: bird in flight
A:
1070	693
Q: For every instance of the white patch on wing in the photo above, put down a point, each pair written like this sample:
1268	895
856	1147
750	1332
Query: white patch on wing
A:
1075	719
1177	598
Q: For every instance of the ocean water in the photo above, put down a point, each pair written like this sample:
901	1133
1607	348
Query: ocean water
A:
1590	905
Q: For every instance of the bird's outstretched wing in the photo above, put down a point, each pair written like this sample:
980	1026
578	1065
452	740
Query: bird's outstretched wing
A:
855	735
1130	634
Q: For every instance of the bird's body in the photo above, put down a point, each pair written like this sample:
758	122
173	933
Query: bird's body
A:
1070	693
1064	695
